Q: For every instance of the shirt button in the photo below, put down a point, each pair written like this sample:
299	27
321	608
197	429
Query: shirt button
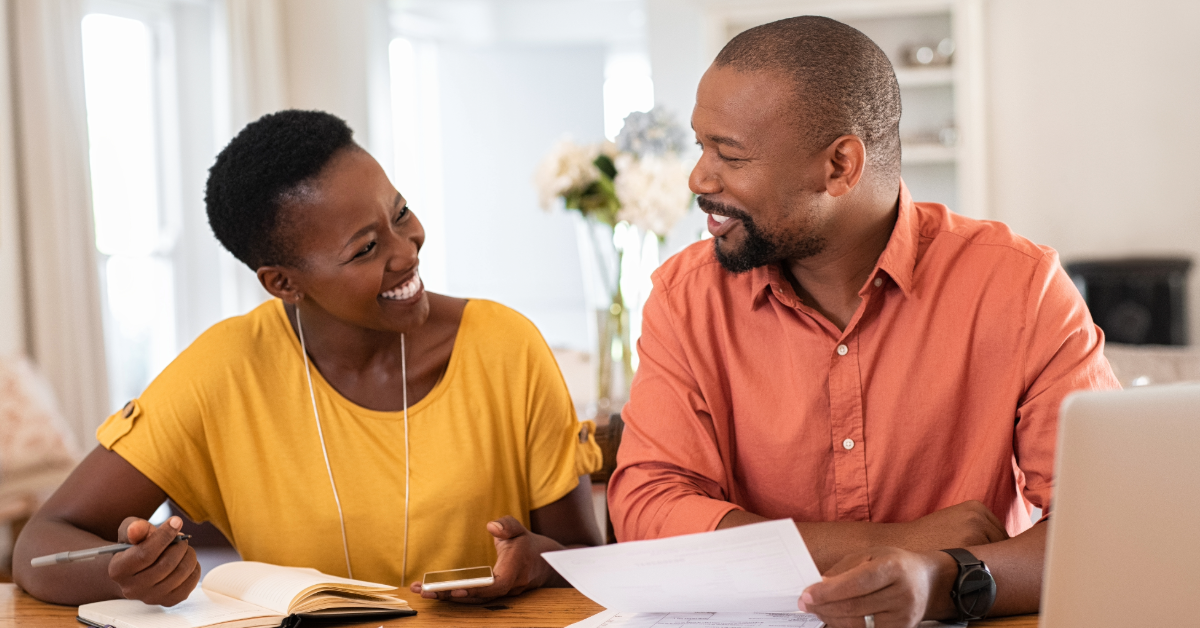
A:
878	281
848	444
843	350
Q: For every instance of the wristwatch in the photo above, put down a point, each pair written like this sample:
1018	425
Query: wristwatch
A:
974	590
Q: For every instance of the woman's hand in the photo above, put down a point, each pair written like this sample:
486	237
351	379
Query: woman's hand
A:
519	564
156	570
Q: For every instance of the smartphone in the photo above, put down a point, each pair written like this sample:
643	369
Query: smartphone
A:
468	578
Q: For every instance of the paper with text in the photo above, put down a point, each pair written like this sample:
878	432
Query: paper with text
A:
756	568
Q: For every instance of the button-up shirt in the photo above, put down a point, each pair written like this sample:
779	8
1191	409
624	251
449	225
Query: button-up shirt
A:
944	386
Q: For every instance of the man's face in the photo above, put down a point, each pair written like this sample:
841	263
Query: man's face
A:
757	178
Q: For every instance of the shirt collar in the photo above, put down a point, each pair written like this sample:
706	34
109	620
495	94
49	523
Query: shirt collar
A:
898	259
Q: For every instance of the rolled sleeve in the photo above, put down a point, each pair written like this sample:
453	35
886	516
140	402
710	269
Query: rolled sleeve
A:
1064	353
670	477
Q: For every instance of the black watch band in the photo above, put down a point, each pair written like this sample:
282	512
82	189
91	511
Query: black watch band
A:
974	590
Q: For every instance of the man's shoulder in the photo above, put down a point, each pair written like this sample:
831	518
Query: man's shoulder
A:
696	261
986	237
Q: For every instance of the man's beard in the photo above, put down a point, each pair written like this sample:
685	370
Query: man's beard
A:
758	248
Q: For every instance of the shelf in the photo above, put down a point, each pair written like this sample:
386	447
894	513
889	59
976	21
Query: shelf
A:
927	154
925	77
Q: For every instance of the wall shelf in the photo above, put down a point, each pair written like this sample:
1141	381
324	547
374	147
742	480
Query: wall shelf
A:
916	154
925	77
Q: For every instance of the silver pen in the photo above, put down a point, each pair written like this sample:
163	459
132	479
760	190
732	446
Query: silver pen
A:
89	554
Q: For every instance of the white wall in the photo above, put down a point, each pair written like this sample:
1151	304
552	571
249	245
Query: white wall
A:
1095	124
503	107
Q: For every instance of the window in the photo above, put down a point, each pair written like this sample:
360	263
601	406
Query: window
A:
416	129
134	235
627	88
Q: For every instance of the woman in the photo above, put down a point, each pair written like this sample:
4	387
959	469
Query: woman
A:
291	428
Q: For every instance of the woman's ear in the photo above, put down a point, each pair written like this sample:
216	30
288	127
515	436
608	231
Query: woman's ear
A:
278	281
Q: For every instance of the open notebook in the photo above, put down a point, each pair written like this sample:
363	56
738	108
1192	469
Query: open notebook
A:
252	595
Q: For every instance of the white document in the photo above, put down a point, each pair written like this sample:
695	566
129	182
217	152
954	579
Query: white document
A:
760	568
613	619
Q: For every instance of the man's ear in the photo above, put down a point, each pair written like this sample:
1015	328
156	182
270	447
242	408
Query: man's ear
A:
278	281
846	158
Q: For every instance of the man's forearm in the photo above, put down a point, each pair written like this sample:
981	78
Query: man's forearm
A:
828	542
1017	566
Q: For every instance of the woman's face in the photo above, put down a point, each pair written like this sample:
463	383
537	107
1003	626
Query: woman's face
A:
356	243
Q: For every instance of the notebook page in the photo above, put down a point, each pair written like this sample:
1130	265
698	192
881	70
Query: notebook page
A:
273	586
202	608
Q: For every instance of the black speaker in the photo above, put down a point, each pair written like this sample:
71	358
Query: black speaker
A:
1138	301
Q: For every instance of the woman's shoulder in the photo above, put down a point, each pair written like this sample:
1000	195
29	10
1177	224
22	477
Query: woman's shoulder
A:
261	332
494	324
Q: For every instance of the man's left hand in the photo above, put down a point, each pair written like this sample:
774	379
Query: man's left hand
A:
894	585
519	564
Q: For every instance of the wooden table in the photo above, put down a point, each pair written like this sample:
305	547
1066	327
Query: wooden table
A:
544	608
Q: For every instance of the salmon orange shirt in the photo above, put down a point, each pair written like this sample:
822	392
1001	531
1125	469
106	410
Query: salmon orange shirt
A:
944	387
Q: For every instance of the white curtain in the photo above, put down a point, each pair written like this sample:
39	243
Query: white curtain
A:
13	341
63	324
257	73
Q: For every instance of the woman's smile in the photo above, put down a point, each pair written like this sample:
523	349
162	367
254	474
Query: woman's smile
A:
410	291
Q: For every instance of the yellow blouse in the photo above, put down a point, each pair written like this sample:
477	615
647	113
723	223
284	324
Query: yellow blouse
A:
227	430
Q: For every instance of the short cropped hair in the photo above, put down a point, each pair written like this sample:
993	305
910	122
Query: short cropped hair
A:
252	177
845	84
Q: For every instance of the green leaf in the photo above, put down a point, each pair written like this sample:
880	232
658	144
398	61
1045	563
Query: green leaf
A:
605	164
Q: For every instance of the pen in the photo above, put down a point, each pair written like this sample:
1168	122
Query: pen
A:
88	554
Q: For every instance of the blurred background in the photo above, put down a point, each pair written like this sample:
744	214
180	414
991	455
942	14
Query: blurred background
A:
1073	121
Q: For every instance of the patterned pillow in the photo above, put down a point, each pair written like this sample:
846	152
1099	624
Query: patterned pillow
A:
36	441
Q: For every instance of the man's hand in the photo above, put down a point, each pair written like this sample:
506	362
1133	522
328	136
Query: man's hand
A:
963	525
155	570
519	564
894	585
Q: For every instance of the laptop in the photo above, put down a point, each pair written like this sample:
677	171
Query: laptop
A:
1124	538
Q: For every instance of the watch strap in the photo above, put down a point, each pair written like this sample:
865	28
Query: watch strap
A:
963	557
966	594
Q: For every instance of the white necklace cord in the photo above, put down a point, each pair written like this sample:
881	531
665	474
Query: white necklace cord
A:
404	375
325	452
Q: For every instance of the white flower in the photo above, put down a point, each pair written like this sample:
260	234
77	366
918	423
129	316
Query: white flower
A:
567	167
653	191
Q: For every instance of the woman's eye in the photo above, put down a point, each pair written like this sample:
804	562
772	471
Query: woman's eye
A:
366	249
403	212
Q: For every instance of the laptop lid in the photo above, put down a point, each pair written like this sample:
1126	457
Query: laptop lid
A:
1124	537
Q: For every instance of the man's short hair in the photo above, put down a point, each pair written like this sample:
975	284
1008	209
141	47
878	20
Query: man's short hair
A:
253	176
845	84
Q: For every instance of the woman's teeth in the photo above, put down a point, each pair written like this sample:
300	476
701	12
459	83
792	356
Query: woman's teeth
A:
405	291
719	219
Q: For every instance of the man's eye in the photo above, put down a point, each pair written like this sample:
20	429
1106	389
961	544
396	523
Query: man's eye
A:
366	249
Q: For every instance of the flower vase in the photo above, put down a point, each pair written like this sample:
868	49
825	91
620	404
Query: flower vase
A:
614	371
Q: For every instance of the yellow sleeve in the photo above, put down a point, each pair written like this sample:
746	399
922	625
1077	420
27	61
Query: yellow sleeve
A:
162	432
560	448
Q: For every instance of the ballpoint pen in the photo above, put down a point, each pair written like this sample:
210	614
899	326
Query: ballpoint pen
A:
89	554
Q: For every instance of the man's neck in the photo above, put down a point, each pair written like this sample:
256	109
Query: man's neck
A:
830	281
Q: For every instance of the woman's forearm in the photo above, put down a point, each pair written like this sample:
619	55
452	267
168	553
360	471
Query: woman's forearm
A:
70	583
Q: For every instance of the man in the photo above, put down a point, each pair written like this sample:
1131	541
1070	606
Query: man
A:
885	373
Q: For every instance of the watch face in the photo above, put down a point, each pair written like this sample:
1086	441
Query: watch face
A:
976	591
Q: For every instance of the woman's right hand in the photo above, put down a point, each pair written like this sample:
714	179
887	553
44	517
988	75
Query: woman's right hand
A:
155	570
